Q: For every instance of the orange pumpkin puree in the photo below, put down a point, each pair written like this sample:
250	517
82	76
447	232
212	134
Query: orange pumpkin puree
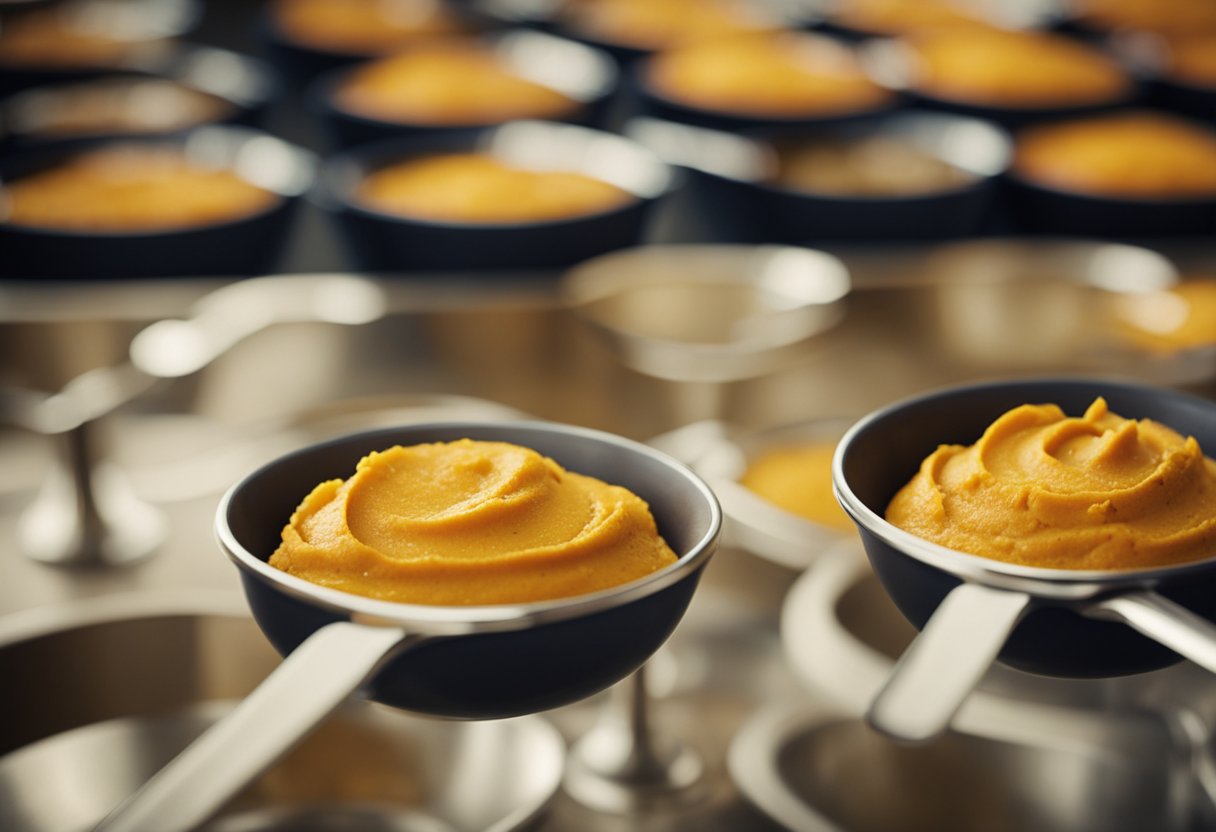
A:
779	75
477	188
798	479
1043	489
469	522
450	83
131	188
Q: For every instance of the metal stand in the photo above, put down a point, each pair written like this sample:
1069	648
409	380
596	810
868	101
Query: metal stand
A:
86	513
622	765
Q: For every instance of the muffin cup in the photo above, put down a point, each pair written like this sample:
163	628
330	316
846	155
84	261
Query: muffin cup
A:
379	241
246	85
583	74
890	62
149	25
301	61
642	100
738	202
1041	209
245	245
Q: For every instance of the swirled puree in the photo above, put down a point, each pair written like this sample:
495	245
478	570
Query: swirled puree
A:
1043	489
469	522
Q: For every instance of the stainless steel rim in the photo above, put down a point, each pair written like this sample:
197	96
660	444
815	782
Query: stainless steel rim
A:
437	620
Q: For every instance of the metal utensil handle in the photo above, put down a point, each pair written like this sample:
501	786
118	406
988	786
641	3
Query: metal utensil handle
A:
1183	631
317	677
936	673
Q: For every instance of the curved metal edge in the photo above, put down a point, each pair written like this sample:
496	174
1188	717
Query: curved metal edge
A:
1056	584
752	762
831	662
41	621
437	620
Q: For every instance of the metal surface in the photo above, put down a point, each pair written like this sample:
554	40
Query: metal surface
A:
816	770
86	513
161	668
309	685
842	635
709	314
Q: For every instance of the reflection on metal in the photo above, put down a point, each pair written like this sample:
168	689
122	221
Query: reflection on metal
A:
161	669
707	314
86	513
627	765
815	769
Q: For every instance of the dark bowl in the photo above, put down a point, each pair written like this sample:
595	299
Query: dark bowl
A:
734	198
561	18
891	62
1025	15
244	246
1194	100
881	453
1148	55
300	61
581	73
147	27
644	100
384	242
488	661
1039	209
245	86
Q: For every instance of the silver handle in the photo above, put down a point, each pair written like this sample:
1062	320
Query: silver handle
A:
1183	631
936	673
317	677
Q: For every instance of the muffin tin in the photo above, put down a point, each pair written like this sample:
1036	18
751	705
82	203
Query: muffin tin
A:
984	301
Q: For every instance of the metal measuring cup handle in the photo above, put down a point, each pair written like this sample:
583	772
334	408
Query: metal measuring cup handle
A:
967	631
316	678
946	660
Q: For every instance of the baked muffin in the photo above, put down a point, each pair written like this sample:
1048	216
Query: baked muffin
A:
71	36
457	82
1191	60
364	27
897	17
873	166
1138	155
784	75
130	188
650	25
481	189
1162	16
1006	69
111	106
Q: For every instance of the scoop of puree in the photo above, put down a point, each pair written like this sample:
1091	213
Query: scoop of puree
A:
469	522
1043	489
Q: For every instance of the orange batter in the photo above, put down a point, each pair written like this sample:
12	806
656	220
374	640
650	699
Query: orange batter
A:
1041	488
469	522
